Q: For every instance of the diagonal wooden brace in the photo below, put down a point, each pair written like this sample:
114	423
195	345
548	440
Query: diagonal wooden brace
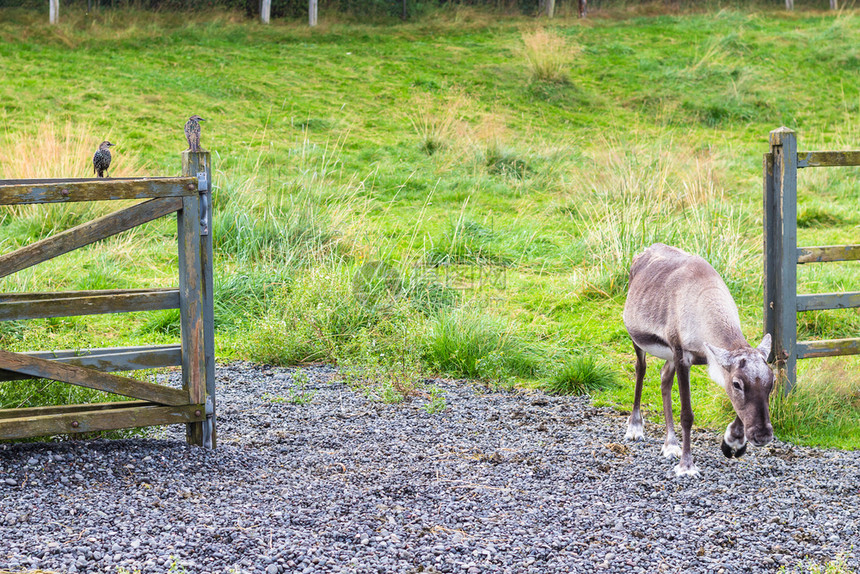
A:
87	233
90	378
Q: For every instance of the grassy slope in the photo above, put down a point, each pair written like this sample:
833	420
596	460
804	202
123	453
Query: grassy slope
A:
656	135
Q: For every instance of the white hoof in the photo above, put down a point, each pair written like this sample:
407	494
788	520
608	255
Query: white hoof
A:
670	451
691	470
634	433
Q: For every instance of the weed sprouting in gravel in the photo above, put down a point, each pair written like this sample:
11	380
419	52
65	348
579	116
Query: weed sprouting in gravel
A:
436	402
493	372
297	394
810	566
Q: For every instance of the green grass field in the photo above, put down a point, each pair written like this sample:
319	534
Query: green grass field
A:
461	195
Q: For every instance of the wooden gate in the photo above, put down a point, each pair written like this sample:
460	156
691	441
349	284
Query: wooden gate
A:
190	198
782	255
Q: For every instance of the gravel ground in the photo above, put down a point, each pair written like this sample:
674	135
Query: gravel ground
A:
498	482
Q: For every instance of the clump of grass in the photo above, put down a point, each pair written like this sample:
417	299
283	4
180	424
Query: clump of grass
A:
436	123
469	342
817	217
166	322
317	316
547	54
493	371
505	161
435	402
468	242
581	375
824	404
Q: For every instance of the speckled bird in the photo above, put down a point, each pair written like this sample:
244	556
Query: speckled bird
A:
192	132
101	159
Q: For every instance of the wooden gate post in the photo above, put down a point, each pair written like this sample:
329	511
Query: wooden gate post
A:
198	164
780	252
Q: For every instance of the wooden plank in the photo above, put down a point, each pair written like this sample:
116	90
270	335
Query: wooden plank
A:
68	409
40	295
827	348
92	305
100	189
98	420
827	253
823	301
84	377
827	158
191	309
7	182
110	359
87	233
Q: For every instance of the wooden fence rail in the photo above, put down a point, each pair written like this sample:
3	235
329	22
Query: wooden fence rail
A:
189	197
782	256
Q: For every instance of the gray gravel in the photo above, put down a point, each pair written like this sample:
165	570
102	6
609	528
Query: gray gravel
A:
498	482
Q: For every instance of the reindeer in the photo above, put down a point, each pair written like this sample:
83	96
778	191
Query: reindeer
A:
679	309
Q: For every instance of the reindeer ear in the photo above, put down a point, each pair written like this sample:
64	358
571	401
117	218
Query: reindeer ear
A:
719	356
764	346
719	361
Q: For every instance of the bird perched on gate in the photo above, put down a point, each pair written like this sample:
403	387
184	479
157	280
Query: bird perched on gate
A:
101	159
192	132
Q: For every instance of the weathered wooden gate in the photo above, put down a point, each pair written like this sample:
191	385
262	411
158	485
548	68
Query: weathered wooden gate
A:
190	198
781	256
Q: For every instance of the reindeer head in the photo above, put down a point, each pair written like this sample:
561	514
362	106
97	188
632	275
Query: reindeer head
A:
748	380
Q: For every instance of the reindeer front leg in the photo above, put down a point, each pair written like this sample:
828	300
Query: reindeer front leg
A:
734	440
667	380
686	466
635	429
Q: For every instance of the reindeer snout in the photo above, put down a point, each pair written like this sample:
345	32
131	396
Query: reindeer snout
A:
762	435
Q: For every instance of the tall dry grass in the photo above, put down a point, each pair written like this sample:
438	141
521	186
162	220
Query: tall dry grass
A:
547	55
631	196
55	151
61	151
438	122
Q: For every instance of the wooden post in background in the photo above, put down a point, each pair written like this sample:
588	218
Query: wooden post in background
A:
198	164
265	11
789	4
780	251
53	11
312	12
